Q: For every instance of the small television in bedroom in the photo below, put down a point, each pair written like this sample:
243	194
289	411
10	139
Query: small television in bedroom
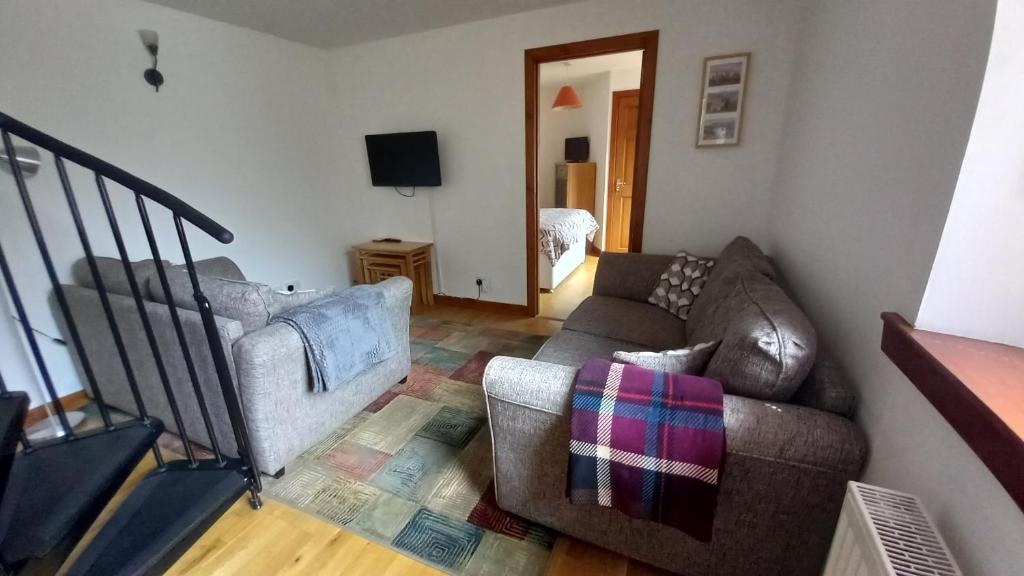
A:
404	159
577	149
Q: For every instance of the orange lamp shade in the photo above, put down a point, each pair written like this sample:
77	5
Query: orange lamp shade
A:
567	99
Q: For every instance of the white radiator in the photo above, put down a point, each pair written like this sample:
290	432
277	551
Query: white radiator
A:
886	533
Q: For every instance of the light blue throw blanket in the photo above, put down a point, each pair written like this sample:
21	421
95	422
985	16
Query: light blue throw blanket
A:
343	334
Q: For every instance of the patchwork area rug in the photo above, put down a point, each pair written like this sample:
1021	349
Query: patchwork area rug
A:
414	472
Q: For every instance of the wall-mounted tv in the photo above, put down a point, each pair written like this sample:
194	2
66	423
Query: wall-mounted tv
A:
404	159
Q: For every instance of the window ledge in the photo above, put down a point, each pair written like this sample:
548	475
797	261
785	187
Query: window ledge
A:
977	386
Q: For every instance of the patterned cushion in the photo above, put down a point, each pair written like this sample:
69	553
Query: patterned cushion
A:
681	283
689	360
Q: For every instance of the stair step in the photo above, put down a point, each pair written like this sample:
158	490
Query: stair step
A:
60	487
13	408
165	514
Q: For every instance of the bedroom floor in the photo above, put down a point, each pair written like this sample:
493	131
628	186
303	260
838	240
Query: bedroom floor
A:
568	295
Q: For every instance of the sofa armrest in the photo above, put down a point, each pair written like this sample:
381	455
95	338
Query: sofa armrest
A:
795	435
629	276
111	376
530	384
284	417
754	428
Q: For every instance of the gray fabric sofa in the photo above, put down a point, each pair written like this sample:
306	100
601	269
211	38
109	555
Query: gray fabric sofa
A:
268	362
791	444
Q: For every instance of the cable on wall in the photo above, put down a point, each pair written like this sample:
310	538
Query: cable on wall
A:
53	339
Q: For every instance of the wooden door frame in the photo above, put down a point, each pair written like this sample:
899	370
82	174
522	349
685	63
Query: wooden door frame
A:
611	154
534	57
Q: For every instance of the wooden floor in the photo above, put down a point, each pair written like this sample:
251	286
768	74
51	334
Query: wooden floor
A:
281	540
573	290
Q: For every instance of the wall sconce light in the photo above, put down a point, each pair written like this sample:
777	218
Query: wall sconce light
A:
151	40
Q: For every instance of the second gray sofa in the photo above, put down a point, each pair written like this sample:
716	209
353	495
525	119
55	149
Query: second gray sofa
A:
791	445
268	362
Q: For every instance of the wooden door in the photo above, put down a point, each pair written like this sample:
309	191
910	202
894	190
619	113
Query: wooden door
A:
621	163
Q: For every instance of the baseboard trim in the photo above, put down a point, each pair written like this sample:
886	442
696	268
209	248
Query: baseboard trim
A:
483	305
72	401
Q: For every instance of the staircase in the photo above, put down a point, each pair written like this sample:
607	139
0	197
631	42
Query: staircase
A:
51	492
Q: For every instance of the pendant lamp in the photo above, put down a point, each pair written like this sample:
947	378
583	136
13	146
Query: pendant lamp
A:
567	98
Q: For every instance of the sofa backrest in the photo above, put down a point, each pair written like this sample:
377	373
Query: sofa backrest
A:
217	267
742	250
630	276
116	281
114	278
768	345
251	303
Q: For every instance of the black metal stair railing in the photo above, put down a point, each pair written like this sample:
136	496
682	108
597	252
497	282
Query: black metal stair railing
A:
234	472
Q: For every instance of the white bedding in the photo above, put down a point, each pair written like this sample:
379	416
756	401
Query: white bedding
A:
561	228
564	233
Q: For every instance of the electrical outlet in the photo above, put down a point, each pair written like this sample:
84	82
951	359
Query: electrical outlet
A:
484	284
290	287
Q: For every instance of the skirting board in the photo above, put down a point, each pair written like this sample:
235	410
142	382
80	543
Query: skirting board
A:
484	305
72	401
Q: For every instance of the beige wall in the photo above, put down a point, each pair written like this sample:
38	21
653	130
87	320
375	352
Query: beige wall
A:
467	83
237	130
881	108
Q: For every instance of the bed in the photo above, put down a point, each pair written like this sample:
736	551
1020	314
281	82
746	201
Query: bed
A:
564	233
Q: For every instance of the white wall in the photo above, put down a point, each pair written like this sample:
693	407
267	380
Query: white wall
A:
976	288
625	79
879	117
239	130
554	126
467	83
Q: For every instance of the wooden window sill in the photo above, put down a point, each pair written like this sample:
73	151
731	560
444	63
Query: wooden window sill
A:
977	386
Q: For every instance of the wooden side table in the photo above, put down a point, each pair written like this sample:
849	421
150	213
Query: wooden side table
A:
382	260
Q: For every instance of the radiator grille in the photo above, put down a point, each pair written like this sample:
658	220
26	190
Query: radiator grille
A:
885	532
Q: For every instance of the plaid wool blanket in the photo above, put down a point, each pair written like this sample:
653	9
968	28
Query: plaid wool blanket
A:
650	444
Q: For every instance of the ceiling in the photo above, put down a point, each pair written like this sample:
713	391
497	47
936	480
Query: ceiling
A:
333	23
578	68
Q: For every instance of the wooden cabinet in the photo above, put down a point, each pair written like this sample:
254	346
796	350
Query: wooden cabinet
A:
575	184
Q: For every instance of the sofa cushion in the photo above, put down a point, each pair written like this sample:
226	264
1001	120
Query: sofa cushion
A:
571	348
719	286
743	250
644	324
114	278
251	303
219	267
768	345
689	360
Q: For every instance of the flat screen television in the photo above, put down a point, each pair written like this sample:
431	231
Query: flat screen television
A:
577	149
404	159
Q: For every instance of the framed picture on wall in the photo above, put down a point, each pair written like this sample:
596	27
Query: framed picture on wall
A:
721	104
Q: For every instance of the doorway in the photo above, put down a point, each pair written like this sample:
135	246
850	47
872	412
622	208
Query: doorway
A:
622	184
